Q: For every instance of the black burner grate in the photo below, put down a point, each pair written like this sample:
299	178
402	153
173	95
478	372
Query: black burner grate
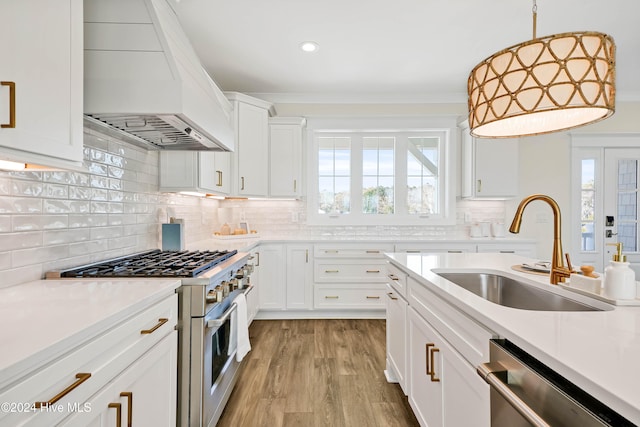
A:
154	263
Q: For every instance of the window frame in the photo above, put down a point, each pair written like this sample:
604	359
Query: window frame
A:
445	127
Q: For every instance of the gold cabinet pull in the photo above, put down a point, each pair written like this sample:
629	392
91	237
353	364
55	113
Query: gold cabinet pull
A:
373	252
432	374
393	277
332	271
118	408
129	396
426	356
161	322
306	255
372	297
479	186
331	297
295	185
80	378
391	296
219	183
373	271
331	251
242	182
12	105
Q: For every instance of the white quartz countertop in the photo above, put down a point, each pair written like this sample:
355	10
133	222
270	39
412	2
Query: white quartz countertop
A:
599	350
43	319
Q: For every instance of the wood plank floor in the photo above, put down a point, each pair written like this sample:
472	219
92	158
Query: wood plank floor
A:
316	373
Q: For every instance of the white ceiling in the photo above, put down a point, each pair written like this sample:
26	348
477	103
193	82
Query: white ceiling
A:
386	50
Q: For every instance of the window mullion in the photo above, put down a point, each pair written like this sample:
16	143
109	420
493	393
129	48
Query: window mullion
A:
356	173
401	175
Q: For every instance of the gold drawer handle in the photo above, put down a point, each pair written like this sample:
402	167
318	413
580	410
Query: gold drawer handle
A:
161	322
331	297
331	252
432	374
80	378
219	183
12	105
129	396
373	252
372	297
373	271
394	277
391	296
426	356
118	407
332	271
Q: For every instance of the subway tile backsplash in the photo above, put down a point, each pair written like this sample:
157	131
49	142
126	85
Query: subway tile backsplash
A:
57	219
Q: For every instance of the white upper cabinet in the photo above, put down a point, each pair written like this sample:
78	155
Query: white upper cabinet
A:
42	83
489	167
251	123
286	156
195	171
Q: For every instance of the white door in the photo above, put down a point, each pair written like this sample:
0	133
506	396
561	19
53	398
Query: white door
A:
620	216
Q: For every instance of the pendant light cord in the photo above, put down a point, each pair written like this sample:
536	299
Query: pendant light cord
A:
535	18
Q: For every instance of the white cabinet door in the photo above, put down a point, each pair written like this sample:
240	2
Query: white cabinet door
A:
442	381
489	167
270	265
299	277
252	150
397	336
41	69
425	393
144	394
285	156
195	171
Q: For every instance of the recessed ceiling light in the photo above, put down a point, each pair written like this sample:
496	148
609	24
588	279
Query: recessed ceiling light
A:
309	46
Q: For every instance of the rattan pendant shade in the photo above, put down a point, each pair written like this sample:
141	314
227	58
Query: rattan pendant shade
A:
544	85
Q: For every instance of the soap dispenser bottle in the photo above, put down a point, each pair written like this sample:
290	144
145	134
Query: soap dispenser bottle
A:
619	279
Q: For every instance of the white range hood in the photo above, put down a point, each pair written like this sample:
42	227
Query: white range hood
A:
144	81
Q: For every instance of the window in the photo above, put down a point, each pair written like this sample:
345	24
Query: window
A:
588	205
381	177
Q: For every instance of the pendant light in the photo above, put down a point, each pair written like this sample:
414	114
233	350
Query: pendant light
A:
544	85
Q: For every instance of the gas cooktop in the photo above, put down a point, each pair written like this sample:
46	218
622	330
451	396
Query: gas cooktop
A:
154	263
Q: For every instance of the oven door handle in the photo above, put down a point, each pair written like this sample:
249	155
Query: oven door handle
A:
488	373
220	320
249	289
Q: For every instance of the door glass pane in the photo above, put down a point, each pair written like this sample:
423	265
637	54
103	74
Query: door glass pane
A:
627	206
627	174
587	214
628	236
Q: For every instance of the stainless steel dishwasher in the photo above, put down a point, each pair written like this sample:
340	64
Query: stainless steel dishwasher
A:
524	392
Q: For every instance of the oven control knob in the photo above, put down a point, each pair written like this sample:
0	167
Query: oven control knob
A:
211	297
234	284
226	288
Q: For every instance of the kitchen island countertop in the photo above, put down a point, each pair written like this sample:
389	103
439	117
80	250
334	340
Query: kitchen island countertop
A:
599	351
44	319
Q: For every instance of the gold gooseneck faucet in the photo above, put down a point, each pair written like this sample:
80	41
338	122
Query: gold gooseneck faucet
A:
558	270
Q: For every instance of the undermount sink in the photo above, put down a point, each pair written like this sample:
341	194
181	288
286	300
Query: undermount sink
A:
513	293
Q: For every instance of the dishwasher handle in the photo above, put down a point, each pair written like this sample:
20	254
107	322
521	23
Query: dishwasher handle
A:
488	373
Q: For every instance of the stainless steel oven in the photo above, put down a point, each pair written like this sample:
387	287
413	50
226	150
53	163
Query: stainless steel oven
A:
207	366
524	393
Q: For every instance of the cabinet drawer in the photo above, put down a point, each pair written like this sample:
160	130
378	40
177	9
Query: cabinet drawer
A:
469	338
352	251
349	297
397	279
104	357
350	271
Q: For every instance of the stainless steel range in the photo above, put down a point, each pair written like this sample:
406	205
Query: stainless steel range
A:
207	366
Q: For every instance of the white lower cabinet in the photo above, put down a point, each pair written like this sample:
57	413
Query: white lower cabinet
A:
139	395
396	340
270	267
137	355
444	389
299	279
253	298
